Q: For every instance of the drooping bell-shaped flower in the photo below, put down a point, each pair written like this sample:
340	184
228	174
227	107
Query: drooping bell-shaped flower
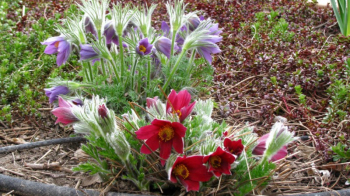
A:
90	27
110	33
163	45
219	162
64	112
234	147
53	92
58	45
164	135
88	52
189	171
209	47
179	103
144	47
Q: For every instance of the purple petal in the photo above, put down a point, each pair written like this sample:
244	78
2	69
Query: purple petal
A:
54	92
87	52
165	27
163	45
206	51
64	50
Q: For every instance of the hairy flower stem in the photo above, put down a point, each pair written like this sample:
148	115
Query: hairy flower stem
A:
172	48
148	75
174	69
121	53
133	74
90	70
189	66
103	68
114	66
86	74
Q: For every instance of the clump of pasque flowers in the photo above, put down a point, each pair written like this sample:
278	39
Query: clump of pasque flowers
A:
121	44
178	136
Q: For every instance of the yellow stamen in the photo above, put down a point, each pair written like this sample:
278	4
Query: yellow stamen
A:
166	133
142	48
181	170
215	161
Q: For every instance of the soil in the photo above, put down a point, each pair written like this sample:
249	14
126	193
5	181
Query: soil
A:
241	94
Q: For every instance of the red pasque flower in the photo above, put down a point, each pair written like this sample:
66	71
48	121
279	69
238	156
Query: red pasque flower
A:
234	147
64	113
261	147
180	104
219	162
189	171
162	134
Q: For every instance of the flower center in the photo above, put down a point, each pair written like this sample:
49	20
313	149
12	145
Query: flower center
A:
215	161
142	48
166	133
56	44
181	170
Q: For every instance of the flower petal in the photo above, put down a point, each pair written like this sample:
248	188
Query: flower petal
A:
153	143
185	111
165	150
147	132
179	129
178	144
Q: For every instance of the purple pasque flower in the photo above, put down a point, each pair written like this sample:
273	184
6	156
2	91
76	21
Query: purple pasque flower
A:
144	47
88	52
110	33
64	112
90	26
163	45
209	45
58	45
53	92
261	147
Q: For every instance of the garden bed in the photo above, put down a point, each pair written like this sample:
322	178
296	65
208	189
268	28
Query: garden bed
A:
278	59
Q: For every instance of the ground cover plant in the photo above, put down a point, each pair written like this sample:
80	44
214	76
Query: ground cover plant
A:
278	59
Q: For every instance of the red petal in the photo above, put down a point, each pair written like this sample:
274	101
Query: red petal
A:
183	98
178	144
192	162
259	149
190	184
153	143
160	123
64	115
179	129
280	154
171	98
199	173
63	103
185	111
146	132
217	173
165	150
